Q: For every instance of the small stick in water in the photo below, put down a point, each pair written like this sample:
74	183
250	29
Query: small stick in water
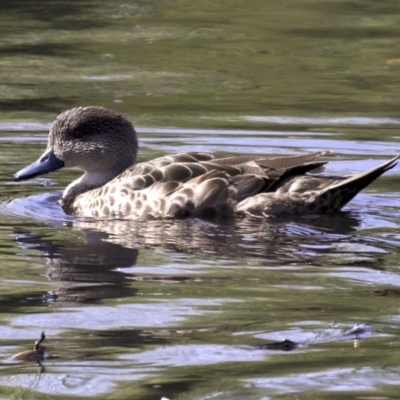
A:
37	354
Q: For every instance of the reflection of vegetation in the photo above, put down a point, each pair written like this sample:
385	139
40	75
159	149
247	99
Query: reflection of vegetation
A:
46	104
71	15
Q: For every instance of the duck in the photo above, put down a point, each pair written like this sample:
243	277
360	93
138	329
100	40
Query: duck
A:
104	145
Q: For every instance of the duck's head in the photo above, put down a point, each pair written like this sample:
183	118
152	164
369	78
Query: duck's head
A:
96	140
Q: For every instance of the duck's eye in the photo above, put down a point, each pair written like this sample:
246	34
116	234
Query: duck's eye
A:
78	134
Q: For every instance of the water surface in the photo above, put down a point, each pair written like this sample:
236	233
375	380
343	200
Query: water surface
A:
189	309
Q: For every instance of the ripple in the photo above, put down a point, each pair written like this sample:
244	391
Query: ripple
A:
42	207
322	121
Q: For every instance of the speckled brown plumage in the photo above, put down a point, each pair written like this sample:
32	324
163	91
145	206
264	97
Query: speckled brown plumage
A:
103	144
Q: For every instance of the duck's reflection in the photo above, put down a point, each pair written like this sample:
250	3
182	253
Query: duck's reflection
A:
250	240
87	272
93	270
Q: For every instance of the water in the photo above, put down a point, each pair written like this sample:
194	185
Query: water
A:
197	309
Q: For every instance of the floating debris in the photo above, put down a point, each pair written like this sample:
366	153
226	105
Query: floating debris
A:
358	331
38	353
393	61
285	345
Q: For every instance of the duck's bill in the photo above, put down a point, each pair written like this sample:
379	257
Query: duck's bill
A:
48	162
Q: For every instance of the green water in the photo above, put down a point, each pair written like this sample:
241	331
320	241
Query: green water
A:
179	308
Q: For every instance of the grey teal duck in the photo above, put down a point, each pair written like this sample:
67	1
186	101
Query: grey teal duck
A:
103	144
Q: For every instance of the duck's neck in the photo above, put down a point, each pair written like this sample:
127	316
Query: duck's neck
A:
88	181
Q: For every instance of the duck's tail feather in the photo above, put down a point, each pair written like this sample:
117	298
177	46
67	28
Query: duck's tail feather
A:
342	192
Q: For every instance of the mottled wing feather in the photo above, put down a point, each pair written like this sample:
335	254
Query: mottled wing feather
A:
181	158
303	184
287	178
249	185
184	166
143	175
272	162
